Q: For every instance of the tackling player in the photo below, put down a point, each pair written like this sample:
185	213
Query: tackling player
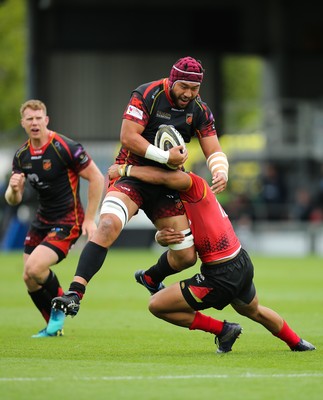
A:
226	272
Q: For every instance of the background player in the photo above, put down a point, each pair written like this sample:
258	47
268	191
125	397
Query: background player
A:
53	165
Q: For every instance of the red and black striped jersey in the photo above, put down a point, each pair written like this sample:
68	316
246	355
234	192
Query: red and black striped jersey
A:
150	105
53	171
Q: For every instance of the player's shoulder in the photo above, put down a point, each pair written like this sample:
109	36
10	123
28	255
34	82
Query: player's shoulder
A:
65	146
59	137
202	104
150	89
70	151
194	176
22	149
65	142
197	188
197	180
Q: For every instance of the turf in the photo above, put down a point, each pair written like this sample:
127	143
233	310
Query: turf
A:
115	349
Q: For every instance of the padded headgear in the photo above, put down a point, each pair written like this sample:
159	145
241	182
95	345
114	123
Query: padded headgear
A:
186	69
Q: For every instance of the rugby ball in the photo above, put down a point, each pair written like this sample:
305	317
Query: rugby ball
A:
166	138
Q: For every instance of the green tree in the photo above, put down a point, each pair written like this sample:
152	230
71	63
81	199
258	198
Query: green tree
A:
13	45
243	86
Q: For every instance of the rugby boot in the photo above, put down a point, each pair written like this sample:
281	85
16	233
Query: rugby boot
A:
69	303
43	333
303	345
140	278
229	334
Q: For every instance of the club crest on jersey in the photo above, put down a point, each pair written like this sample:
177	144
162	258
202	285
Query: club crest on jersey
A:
178	204
189	118
47	165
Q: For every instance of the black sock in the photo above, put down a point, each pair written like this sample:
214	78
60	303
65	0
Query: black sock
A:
78	288
91	260
52	285
43	301
161	270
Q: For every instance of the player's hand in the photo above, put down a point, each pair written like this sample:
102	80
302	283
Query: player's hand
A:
113	171
88	228
177	155
167	236
17	182
219	182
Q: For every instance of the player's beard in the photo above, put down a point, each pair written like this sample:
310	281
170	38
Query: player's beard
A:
177	100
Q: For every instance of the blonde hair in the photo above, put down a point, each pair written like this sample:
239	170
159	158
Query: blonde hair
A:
34	105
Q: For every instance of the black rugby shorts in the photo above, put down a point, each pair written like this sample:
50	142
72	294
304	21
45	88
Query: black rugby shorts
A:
219	285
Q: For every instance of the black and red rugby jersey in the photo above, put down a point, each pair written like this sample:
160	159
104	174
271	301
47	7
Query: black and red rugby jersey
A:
53	172
150	105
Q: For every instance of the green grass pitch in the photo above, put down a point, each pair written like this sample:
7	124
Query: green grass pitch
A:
115	349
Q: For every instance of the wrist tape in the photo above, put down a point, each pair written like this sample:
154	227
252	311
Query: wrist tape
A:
156	154
218	162
124	169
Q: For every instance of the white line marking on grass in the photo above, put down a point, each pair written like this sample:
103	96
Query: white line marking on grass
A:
179	377
25	379
168	377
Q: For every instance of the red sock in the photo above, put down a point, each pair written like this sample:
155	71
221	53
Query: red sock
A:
288	336
206	324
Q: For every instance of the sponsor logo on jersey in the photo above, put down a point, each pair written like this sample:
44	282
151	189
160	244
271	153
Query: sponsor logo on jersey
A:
83	158
134	112
27	166
54	231
125	188
154	93
163	115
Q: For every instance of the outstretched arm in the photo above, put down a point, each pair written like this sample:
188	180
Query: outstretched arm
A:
177	180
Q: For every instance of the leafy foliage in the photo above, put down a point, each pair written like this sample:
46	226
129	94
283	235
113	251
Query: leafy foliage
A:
243	78
12	62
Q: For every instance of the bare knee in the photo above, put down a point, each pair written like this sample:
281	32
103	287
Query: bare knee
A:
33	274
154	307
108	230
